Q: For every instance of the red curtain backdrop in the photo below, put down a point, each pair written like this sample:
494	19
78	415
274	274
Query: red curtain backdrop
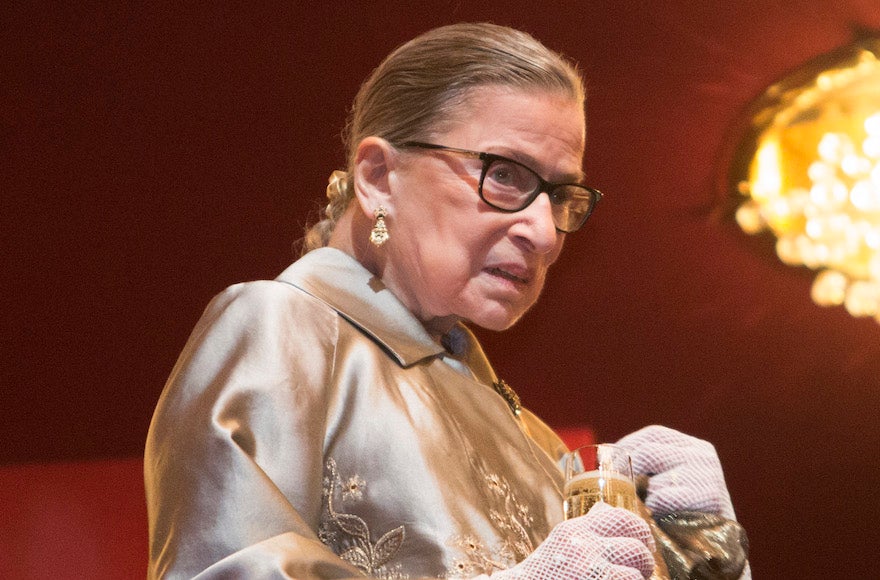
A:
154	153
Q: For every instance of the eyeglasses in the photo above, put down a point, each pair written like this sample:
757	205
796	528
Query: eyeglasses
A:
510	186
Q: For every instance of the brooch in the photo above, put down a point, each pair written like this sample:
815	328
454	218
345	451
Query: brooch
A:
503	389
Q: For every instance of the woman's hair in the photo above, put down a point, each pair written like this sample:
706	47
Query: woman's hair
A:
419	86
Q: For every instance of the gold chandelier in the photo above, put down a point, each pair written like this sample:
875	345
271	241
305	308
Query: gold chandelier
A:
808	171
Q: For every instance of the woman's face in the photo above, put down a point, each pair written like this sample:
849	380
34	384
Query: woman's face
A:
451	256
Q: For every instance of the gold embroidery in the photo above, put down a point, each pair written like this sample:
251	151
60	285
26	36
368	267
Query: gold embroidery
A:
350	535
354	489
512	519
478	559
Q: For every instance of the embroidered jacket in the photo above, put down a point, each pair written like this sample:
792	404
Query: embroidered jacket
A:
313	429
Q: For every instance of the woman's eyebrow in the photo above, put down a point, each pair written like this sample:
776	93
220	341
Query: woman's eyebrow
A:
520	157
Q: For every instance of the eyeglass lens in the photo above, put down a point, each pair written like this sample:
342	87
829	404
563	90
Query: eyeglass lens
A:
511	186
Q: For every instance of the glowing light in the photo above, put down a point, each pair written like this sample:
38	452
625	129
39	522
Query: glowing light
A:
829	288
748	216
767	182
863	298
814	179
872	124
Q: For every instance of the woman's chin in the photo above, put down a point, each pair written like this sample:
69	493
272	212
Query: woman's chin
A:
497	320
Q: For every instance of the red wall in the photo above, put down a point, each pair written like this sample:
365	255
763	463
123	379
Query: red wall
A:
152	155
73	519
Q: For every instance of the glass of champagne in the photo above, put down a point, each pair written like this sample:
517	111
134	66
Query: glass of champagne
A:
598	473
603	473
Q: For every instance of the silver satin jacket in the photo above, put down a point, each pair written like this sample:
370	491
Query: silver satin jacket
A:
313	429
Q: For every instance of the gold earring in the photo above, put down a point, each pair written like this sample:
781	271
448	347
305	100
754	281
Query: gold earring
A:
379	234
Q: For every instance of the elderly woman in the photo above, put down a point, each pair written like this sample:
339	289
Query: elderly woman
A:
341	420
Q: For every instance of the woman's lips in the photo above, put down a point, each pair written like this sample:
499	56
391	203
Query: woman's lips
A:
508	275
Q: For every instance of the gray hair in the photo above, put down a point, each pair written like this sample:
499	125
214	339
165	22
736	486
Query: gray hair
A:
420	85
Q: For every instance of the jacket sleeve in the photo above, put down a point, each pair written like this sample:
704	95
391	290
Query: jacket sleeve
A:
234	456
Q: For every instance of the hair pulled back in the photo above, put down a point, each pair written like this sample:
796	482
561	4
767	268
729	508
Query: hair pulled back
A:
418	87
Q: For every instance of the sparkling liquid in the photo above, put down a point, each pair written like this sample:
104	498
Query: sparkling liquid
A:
587	489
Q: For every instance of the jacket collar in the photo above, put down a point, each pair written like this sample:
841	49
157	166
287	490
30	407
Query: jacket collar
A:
340	281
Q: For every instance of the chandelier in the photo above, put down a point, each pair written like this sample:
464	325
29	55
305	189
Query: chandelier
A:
808	171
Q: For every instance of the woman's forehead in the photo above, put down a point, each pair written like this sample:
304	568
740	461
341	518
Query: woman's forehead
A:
525	125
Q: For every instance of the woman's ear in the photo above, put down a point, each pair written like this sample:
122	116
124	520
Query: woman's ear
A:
374	160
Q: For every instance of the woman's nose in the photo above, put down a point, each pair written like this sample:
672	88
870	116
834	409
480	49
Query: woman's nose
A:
535	225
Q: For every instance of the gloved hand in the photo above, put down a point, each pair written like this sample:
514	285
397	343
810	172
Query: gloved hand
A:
685	472
607	543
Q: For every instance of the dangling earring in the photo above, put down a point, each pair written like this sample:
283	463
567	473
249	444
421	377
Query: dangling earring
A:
379	234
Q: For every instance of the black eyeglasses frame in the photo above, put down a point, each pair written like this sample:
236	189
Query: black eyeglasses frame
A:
544	186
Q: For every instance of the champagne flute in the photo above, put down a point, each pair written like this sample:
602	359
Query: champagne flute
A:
598	473
603	473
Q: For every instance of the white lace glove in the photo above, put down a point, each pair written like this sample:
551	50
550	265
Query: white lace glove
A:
685	472
605	544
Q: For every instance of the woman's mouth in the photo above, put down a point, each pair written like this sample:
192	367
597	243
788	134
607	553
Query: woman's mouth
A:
507	275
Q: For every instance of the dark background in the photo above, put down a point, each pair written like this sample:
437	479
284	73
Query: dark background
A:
153	154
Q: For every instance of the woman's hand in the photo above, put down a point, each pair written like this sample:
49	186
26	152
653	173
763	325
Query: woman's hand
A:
684	472
607	543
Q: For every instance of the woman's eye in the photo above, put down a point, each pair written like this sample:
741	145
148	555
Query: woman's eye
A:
502	174
559	196
511	175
